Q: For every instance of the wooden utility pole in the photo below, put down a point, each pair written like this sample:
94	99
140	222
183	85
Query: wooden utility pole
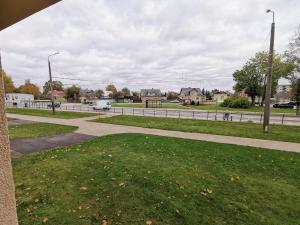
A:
269	78
8	213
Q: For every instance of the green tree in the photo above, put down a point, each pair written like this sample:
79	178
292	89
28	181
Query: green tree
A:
72	93
293	59
112	88
126	91
9	86
57	85
118	94
30	88
172	95
252	77
99	93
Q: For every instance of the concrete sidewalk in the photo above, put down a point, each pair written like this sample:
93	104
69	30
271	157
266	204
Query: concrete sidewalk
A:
102	129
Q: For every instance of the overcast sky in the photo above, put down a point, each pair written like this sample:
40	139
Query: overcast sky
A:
166	44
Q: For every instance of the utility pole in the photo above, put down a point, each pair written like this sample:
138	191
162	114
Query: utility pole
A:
51	84
269	78
8	212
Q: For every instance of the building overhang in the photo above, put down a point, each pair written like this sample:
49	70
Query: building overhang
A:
12	11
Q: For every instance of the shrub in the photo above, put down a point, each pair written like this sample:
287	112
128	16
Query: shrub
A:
226	102
236	102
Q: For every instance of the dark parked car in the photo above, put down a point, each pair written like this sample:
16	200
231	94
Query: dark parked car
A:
56	105
288	105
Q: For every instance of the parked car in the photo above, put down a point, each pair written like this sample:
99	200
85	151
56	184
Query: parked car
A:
102	105
289	105
56	105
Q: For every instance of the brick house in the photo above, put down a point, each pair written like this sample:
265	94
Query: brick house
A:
191	96
151	97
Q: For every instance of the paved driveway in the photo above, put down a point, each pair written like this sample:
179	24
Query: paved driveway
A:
25	146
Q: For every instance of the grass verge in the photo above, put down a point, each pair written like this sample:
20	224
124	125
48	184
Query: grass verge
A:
48	113
258	109
35	130
207	107
132	178
249	130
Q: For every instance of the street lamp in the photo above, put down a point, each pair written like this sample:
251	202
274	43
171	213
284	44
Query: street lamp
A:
51	84
269	77
271	11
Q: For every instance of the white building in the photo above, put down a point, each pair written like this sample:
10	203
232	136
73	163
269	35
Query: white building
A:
283	88
107	94
283	93
18	98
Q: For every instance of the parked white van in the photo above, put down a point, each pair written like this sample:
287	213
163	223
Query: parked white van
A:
102	105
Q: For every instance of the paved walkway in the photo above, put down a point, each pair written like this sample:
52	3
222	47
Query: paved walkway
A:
102	129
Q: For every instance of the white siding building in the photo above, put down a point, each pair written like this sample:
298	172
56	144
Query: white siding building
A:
18	98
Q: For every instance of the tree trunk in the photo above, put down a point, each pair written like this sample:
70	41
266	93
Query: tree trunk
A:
8	213
298	106
252	100
262	101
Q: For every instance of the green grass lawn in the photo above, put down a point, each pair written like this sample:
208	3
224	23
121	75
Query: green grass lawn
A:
251	109
250	130
38	130
48	113
132	178
208	107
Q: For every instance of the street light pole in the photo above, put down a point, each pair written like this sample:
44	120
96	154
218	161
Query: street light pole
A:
51	84
269	78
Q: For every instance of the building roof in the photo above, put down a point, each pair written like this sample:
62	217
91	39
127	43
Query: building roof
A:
150	92
221	93
186	91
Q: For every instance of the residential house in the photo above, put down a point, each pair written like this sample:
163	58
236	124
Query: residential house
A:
87	95
220	96
57	95
283	93
191	96
151	97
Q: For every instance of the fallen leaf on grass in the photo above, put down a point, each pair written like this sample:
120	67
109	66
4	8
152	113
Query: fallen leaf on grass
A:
148	222
206	191
121	184
104	222
83	188
45	220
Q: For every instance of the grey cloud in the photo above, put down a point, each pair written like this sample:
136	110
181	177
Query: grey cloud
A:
155	43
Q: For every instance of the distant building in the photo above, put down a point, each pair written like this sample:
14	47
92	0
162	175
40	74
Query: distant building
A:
57	95
220	96
107	94
18	98
151	97
191	96
283	93
243	94
87	95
